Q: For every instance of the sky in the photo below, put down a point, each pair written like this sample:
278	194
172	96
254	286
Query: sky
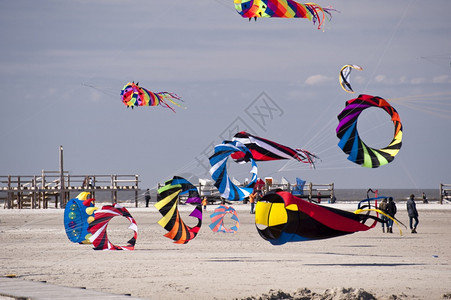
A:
64	63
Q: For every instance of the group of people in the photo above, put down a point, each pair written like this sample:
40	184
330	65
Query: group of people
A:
389	208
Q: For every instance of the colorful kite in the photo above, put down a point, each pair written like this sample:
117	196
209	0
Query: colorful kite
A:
99	226
345	74
168	207
282	9
218	170
217	219
77	215
133	95
281	217
265	150
350	141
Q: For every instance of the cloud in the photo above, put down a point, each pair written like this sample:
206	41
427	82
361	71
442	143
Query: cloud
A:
317	79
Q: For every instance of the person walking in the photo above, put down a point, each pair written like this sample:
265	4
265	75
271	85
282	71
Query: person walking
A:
413	213
391	211
383	208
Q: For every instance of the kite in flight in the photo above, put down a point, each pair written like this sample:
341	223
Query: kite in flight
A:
217	219
281	217
167	206
98	227
345	74
78	213
218	170
282	9
350	141
265	150
133	95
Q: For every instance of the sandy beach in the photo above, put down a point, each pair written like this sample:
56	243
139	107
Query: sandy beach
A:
231	266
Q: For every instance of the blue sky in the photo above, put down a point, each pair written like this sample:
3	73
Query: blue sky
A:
63	64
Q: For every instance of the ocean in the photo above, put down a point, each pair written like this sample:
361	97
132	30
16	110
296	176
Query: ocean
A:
127	198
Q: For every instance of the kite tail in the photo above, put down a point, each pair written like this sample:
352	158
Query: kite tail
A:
397	222
306	157
171	97
319	13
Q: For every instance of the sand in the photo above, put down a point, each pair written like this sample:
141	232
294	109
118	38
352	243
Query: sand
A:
34	247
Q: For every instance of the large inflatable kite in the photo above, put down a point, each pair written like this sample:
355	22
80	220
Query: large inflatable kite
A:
217	219
265	150
98	228
178	231
218	170
77	215
133	95
345	74
281	217
282	9
350	141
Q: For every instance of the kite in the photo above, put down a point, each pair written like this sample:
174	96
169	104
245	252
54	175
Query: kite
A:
265	150
217	219
133	95
345	74
281	217
282	9
167	206
218	170
350	141
77	215
99	226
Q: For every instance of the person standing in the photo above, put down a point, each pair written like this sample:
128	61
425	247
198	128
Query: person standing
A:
147	197
383	208
391	211
204	203
252	201
413	213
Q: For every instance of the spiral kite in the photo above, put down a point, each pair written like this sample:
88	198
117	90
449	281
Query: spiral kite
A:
350	141
99	225
167	206
217	219
218	170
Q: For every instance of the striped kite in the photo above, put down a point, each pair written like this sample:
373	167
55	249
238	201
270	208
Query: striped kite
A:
99	226
345	74
217	219
218	170
133	95
350	141
168	207
282	9
265	150
281	217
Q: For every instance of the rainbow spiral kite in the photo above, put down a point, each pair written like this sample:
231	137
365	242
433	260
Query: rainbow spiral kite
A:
350	141
178	231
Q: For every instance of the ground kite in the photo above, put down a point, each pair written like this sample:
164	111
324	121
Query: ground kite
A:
217	219
168	207
282	9
218	170
350	141
281	217
133	95
265	150
345	74
77	215
98	228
